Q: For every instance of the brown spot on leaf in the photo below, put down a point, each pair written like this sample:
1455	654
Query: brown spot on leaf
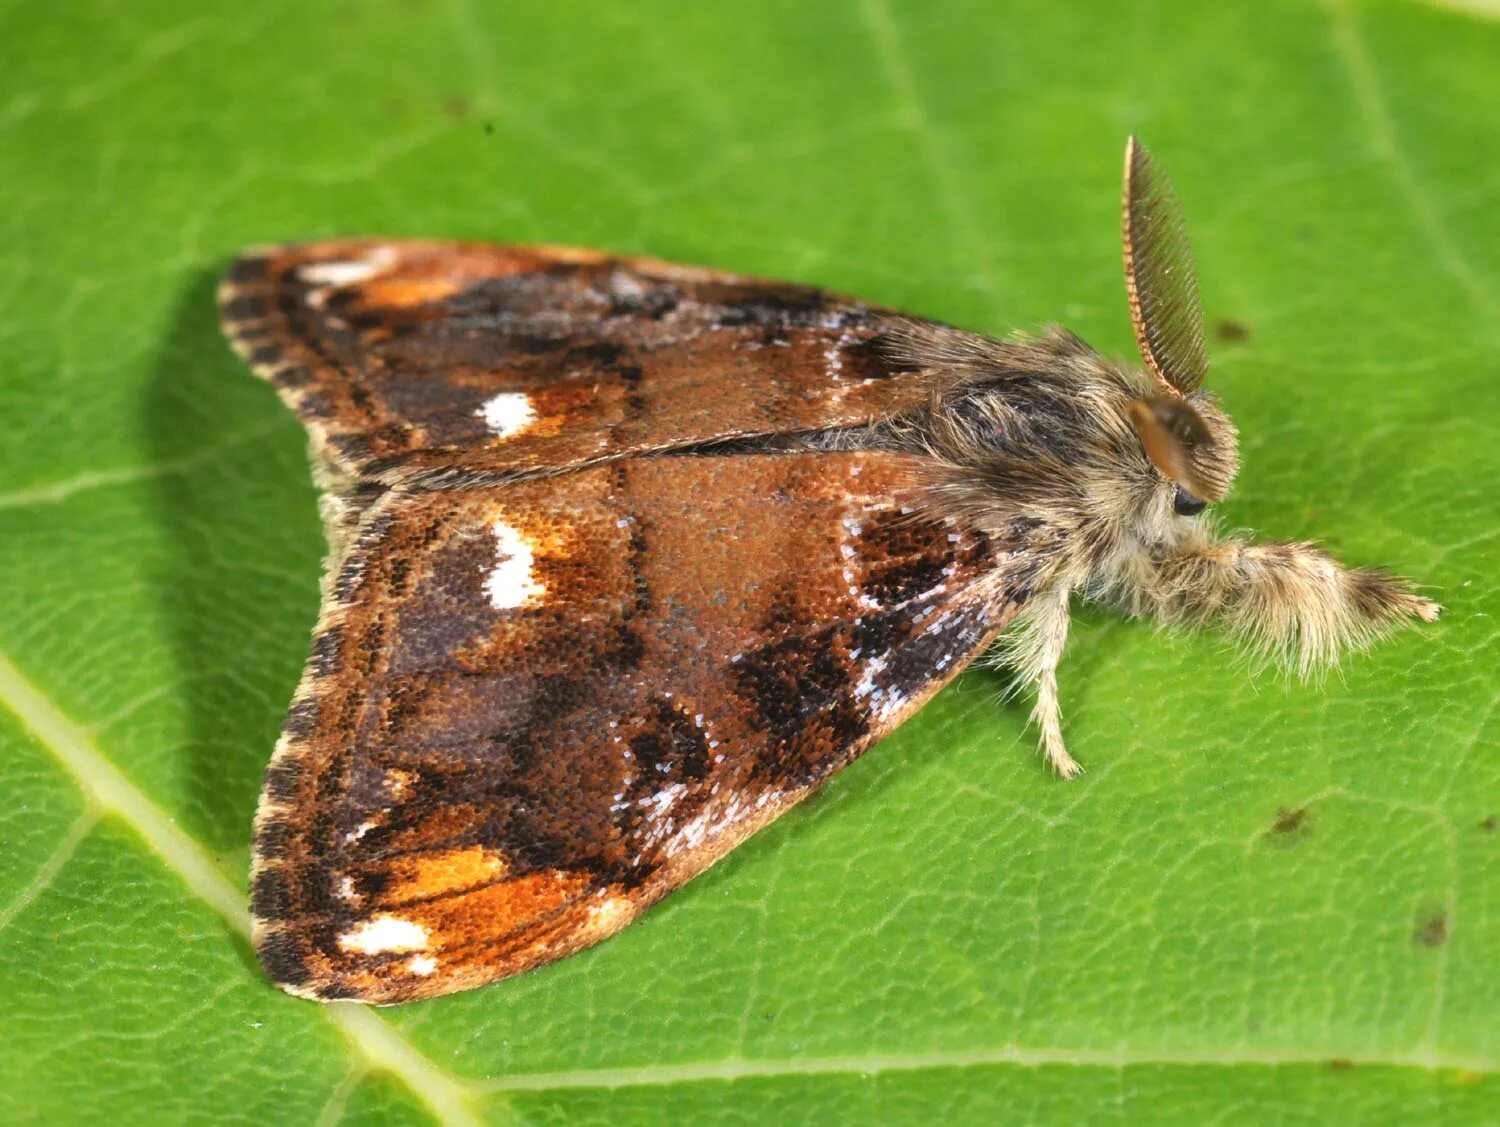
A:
1341	1064
1291	825
1432	930
1489	824
1230	331
1290	821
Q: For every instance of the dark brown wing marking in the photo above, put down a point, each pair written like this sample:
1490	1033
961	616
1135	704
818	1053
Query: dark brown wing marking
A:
534	709
455	358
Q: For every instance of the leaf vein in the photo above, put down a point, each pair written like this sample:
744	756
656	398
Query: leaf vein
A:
887	41
47	872
1359	70
110	791
55	493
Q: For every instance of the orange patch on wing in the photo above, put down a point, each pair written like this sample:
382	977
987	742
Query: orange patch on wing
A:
498	909
435	874
398	782
403	293
548	536
556	406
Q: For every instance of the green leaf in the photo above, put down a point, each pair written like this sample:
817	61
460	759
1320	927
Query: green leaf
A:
1264	902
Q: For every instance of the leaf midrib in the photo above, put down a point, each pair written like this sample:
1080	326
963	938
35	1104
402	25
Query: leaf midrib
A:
1012	1055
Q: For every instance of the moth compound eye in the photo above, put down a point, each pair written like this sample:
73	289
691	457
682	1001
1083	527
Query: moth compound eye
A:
1185	504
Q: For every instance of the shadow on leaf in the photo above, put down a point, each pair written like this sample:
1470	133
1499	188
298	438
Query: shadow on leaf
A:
238	581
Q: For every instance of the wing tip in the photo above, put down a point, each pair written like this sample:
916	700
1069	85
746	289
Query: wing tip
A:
295	965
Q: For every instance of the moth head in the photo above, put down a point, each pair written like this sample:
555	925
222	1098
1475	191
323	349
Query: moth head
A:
1182	430
1192	443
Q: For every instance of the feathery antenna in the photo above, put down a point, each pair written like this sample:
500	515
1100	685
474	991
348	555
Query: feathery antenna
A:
1160	279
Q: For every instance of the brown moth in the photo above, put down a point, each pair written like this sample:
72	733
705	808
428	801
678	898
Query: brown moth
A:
626	558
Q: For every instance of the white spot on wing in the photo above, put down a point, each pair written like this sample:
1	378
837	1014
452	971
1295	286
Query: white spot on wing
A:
421	964
510	583
883	701
611	912
833	359
348	272
663	800
507	414
696	830
385	933
398	782
850	553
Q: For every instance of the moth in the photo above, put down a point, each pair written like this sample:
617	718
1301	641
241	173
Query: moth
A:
626	558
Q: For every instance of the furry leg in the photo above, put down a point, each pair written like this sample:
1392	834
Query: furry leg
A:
1036	649
1290	601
